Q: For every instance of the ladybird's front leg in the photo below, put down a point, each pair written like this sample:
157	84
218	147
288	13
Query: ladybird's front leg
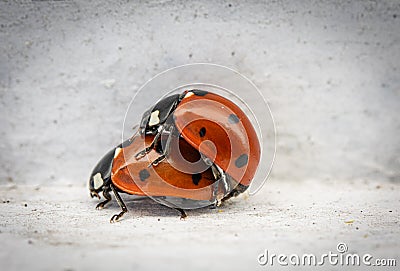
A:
183	213
107	196
166	149
121	203
142	153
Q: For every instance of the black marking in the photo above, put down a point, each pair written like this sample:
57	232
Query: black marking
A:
103	167
196	178
202	132
159	147
233	119
199	92
241	160
145	120
144	174
165	107
127	142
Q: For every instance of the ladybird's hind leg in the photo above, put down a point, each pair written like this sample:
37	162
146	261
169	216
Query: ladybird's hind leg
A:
183	213
146	150
121	203
107	196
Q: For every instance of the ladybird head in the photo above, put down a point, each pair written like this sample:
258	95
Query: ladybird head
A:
157	115
101	174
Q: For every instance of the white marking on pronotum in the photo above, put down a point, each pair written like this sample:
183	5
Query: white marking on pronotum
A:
189	94
97	181
154	119
117	151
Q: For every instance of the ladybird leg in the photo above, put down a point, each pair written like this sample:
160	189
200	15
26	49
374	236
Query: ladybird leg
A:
121	203
107	196
157	161
183	214
94	194
142	153
165	151
223	178
230	195
214	205
234	193
215	184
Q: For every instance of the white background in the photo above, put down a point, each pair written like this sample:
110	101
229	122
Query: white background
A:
68	70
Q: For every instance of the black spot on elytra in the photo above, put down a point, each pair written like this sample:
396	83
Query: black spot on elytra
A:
241	160
233	119
196	178
144	174
199	92
202	132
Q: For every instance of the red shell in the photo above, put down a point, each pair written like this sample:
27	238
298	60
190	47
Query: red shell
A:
220	130
135	177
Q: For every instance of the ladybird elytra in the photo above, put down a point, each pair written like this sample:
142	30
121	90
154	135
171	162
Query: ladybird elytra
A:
238	148
136	178
196	146
194	112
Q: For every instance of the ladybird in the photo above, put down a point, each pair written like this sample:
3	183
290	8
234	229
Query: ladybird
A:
213	125
119	172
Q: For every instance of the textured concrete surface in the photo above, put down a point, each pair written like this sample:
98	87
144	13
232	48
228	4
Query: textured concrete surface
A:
68	70
330	71
57	228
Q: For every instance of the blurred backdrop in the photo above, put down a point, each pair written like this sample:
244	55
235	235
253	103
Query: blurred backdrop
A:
330	71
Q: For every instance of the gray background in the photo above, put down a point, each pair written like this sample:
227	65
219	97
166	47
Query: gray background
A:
329	70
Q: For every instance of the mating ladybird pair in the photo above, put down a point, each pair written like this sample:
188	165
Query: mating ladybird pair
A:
191	150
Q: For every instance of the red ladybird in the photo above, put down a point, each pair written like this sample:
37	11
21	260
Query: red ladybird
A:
206	128
213	125
119	171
